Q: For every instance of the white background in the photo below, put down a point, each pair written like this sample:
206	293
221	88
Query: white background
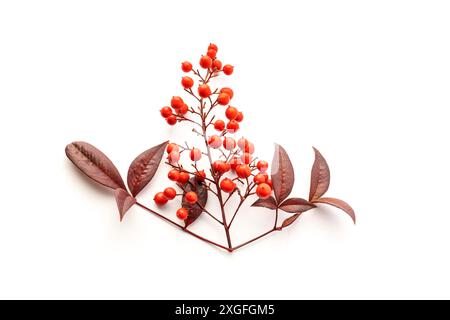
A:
366	82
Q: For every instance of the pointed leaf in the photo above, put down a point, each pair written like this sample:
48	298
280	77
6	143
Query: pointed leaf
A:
296	205
282	174
124	201
320	177
144	167
268	203
338	204
290	220
95	164
196	209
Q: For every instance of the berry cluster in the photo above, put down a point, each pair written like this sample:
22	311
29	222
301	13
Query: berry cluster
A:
178	108
231	162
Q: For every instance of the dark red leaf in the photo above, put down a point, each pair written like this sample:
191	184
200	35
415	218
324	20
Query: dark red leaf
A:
320	177
196	209
338	204
95	164
282	174
268	203
144	167
290	220
124	201
296	205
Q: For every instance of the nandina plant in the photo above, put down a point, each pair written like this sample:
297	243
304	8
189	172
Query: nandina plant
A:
219	168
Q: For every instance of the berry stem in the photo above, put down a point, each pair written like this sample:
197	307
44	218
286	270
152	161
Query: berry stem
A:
216	182
243	198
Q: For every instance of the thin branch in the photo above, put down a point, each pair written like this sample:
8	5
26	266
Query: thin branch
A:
254	239
182	228
243	199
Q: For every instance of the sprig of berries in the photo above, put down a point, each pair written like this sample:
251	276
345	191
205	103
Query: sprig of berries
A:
221	165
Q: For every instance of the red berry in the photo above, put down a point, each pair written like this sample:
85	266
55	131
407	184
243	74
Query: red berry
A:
250	148
184	109
187	82
174	156
166	112
223	99
216	165
221	166
213	47
191	197
173	175
214	141
224	167
239	117
262	165
269	182
231	112
235	162
228	69
211	53
259	178
176	102
200	175
227	91
217	64
263	191
186	66
232	126
170	193
204	91
171	120
160	199
219	125
227	185
182	213
229	143
246	158
195	154
242	143
172	147
205	62
243	171
183	177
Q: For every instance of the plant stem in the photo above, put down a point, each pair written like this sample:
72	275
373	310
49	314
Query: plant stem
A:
229	248
254	239
248	192
235	213
182	228
216	179
216	183
276	218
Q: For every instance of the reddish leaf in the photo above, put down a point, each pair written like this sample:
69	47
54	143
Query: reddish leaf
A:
320	177
296	205
95	164
290	220
338	204
268	203
144	167
124	201
195	210
282	174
